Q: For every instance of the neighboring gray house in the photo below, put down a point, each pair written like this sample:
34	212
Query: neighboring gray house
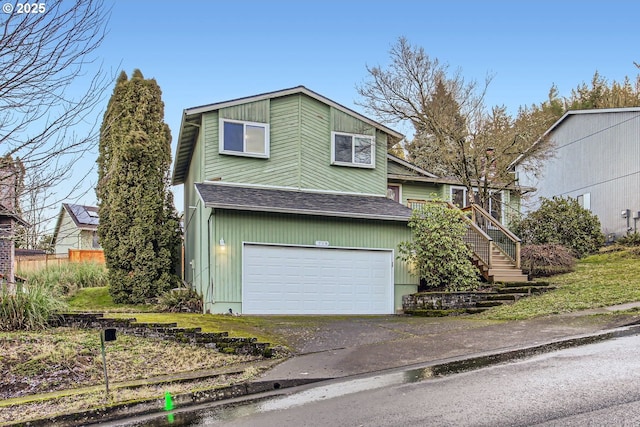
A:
597	162
76	228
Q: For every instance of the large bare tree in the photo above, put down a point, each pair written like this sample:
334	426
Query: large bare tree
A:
50	85
455	134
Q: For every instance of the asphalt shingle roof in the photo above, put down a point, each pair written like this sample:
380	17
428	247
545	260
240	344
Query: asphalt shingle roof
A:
220	196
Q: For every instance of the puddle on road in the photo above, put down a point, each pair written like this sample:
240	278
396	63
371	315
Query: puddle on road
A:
221	413
227	412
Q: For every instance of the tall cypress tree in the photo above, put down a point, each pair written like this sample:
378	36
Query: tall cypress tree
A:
139	227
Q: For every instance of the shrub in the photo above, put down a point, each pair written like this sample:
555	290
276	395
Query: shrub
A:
30	308
67	278
565	222
180	300
632	239
546	260
437	252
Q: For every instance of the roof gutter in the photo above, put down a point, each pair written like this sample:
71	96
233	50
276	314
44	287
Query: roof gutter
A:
306	212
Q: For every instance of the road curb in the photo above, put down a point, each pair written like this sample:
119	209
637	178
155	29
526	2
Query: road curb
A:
493	358
433	369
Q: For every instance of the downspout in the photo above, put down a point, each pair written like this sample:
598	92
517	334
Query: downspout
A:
210	294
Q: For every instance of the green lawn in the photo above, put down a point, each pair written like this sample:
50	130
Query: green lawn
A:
98	300
600	280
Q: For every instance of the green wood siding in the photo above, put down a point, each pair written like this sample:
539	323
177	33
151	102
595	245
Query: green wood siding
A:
343	122
254	112
511	202
395	169
300	148
236	227
317	122
195	216
421	191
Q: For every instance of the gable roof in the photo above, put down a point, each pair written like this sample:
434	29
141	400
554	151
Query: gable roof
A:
191	118
225	196
415	173
84	217
6	212
571	113
410	166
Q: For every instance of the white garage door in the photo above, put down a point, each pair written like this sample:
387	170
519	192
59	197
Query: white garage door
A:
310	280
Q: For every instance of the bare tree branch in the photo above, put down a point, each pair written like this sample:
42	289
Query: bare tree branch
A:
455	134
51	85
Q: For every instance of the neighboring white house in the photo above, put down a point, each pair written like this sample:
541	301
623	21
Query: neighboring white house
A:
597	161
76	228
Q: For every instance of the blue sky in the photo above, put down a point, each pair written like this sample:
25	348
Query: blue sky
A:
202	52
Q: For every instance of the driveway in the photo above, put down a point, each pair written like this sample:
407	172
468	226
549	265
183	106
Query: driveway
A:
330	347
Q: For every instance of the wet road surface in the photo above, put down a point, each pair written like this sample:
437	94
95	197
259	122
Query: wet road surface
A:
596	384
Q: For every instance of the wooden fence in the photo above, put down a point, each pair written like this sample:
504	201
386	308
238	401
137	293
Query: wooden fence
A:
28	263
86	255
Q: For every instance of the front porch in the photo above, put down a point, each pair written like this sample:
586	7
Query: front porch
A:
496	250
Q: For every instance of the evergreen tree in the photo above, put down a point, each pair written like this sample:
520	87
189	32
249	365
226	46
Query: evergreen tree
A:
601	94
139	227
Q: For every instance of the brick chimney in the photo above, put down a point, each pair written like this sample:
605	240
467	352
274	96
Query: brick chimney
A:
10	172
7	248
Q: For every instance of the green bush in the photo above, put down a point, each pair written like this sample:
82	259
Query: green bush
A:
30	308
546	260
632	239
437	251
562	221
180	300
67	278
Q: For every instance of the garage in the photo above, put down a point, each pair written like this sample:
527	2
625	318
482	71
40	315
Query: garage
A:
280	279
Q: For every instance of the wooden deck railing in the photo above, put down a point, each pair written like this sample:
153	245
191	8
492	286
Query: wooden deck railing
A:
483	234
508	242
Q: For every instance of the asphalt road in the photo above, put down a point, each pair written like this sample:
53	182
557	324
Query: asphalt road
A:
592	385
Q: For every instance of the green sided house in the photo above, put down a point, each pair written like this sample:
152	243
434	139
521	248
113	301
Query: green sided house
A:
496	250
413	186
286	207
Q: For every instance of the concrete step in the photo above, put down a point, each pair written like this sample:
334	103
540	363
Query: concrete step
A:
512	277
488	304
524	290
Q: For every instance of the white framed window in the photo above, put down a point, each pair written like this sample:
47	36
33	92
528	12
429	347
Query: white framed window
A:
459	196
240	138
348	149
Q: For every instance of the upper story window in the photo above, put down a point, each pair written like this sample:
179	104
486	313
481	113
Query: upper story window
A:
352	150
244	138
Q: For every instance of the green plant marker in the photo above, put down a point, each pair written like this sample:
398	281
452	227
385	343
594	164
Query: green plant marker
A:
168	401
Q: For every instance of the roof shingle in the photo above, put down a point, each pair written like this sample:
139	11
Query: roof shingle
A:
222	196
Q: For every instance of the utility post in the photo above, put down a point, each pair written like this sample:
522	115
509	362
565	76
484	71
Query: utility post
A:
108	334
